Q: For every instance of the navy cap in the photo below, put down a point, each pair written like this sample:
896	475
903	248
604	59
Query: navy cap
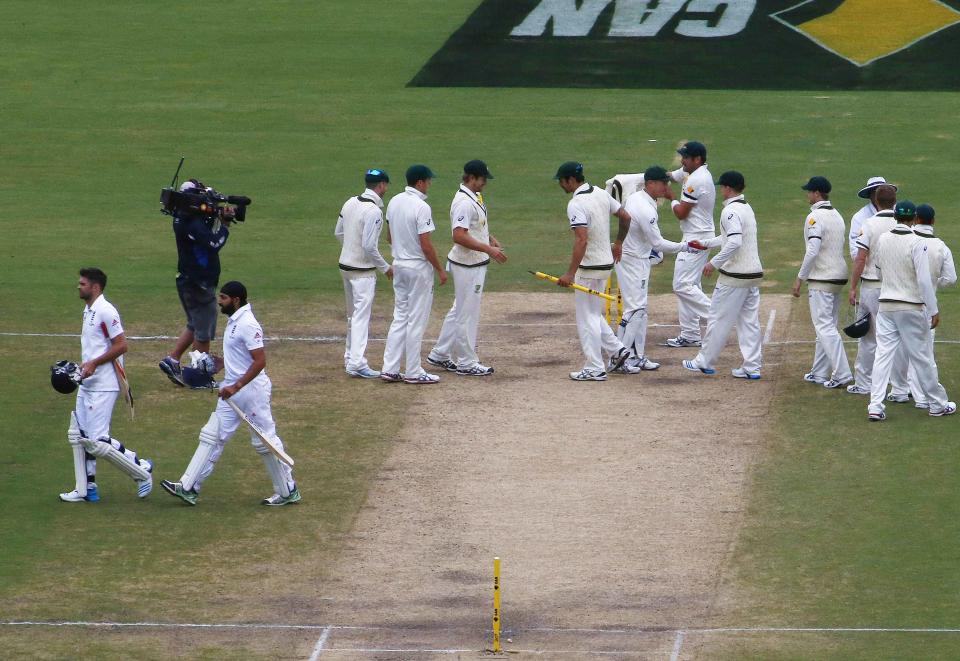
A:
733	179
693	148
417	172
925	212
655	173
477	168
569	169
905	210
818	184
376	175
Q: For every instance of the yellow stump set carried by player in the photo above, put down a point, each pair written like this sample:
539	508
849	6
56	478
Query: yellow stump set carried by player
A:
586	290
609	311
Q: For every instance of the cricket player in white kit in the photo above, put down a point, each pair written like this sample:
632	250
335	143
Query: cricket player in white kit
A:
358	230
589	211
694	210
908	312
868	210
633	268
473	248
736	298
824	269
245	383
102	341
866	282
943	273
414	261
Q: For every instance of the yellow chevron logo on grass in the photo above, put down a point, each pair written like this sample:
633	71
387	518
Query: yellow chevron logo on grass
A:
864	31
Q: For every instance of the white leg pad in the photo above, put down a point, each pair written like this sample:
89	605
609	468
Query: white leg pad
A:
279	472
79	455
113	451
209	442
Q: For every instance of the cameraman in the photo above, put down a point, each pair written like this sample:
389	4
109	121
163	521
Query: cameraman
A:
199	241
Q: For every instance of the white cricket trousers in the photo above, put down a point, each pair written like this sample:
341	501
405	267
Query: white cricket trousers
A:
254	400
867	345
458	335
633	279
692	303
829	358
358	293
729	307
413	296
592	327
909	331
903	377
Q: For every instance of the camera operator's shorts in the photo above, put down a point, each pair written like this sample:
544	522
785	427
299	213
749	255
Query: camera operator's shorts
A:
200	304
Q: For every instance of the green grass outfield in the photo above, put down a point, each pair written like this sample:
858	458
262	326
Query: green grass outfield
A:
289	102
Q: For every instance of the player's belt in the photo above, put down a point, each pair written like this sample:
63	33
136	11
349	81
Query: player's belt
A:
599	267
742	276
468	266
344	267
835	281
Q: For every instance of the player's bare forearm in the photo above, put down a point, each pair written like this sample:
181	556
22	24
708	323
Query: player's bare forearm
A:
428	251
118	347
579	250
259	364
624	226
681	210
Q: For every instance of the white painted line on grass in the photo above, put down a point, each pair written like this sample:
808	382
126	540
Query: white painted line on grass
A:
768	334
677	646
321	643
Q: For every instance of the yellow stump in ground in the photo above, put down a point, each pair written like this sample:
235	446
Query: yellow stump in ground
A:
496	605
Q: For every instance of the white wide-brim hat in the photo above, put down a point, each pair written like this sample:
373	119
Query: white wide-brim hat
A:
872	183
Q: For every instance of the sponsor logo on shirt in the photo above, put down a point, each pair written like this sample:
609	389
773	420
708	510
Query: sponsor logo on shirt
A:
755	44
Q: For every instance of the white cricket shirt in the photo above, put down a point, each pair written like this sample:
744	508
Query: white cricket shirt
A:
699	190
358	229
856	224
870	232
591	207
409	216
644	234
242	335
101	323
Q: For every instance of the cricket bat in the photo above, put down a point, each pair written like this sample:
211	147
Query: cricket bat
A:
121	376
269	442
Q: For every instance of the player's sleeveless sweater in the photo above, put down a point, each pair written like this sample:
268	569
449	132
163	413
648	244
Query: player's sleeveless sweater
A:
352	255
829	269
898	275
744	267
478	230
874	227
599	256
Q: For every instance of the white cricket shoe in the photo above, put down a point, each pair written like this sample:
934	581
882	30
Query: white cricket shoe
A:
421	379
839	383
444	363
645	364
854	389
898	399
626	368
680	341
144	487
740	373
949	409
876	416
694	367
588	375
810	377
619	358
476	370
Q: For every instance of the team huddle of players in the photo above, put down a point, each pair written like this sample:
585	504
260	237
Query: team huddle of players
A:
897	269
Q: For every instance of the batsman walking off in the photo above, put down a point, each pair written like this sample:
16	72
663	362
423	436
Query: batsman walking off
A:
102	341
247	384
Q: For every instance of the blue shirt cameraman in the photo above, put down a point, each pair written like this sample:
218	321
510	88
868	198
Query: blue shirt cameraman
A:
199	241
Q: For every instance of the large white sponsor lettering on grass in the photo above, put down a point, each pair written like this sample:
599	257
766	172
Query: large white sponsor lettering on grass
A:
637	18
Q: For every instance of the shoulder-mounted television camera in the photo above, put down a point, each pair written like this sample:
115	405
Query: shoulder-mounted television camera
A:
194	198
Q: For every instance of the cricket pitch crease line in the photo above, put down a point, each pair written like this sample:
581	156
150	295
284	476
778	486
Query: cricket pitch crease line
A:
686	631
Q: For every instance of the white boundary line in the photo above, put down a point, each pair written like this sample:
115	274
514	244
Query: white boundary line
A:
677	646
